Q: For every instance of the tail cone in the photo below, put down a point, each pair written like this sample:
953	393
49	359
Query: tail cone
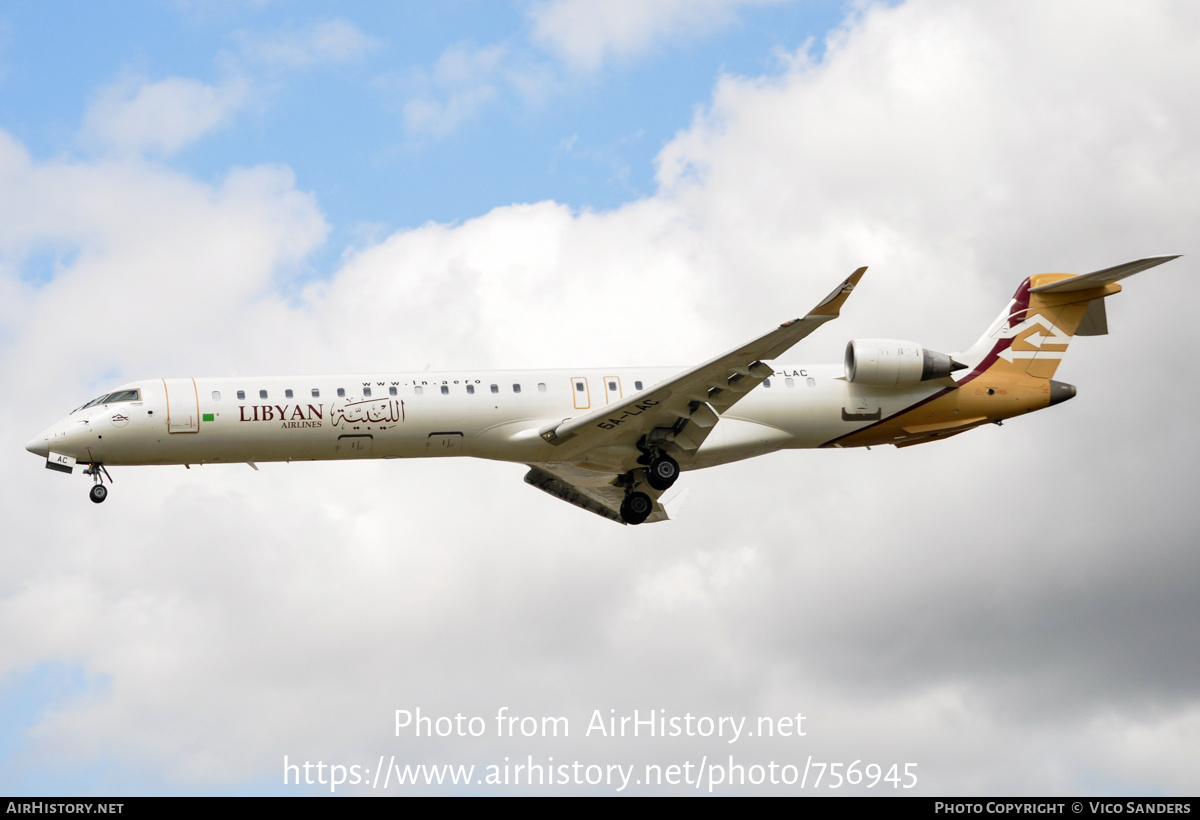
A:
1060	392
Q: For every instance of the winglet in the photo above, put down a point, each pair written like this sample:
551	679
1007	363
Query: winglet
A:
832	304
781	340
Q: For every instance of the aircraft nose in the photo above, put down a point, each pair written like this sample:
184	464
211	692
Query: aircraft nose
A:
39	446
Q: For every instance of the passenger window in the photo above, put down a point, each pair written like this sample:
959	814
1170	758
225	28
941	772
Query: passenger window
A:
216	395
262	394
242	395
316	393
367	392
516	388
789	381
418	389
637	385
495	388
287	394
766	382
341	392
445	390
812	382
470	389
541	387
391	391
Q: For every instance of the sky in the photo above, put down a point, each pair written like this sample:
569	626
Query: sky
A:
206	188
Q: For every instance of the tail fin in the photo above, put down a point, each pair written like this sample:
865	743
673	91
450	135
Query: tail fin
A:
1047	311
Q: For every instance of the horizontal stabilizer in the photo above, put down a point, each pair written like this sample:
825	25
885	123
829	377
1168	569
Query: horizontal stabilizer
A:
1100	278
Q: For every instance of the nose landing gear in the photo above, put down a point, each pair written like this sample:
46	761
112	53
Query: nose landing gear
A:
98	492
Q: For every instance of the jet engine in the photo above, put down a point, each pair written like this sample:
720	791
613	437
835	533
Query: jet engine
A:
894	363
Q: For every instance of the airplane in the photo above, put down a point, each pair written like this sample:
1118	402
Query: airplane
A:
609	441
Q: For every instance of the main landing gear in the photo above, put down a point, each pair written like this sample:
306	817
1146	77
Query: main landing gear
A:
636	508
98	492
662	472
659	471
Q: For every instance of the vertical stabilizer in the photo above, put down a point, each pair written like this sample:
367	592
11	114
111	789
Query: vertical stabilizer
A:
1049	309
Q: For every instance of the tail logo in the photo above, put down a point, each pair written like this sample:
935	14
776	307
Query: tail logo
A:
1035	337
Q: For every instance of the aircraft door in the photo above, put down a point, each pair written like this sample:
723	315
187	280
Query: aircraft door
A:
183	406
580	393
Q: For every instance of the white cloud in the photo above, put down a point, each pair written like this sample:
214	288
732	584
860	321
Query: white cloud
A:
462	81
136	116
1013	609
465	79
332	41
138	234
586	34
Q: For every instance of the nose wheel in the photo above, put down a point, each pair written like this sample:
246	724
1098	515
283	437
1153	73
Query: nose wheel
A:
98	492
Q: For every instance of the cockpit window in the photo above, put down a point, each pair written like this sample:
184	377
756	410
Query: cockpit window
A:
110	398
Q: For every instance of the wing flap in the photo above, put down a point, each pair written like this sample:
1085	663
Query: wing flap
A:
603	499
558	488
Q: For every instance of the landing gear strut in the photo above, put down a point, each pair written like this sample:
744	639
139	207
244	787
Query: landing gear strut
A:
98	492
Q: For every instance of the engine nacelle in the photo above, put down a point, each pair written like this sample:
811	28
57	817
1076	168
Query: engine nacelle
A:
893	363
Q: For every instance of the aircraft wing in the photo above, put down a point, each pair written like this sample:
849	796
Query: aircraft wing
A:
684	408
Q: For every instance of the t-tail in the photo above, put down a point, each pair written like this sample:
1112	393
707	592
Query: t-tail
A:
1031	335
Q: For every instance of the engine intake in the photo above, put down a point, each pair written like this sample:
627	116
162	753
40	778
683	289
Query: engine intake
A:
895	363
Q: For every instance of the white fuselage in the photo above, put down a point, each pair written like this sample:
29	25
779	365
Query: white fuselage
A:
608	441
495	415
